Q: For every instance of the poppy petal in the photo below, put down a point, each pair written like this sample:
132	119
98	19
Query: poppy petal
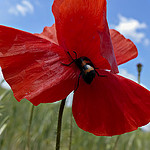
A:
124	49
82	27
49	33
32	66
111	105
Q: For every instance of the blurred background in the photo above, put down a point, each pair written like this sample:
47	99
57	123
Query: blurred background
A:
131	18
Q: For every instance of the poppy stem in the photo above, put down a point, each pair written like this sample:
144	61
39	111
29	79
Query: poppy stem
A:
139	69
116	142
70	137
29	127
61	109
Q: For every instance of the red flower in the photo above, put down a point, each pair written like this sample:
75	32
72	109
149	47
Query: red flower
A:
32	65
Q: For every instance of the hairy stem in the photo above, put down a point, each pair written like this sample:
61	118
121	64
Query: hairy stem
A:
61	109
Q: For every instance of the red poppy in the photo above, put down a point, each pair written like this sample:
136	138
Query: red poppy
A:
33	66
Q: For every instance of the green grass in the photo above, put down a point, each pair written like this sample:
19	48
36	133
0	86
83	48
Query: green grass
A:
15	115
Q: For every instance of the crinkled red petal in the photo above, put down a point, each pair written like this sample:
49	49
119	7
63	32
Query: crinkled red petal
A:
49	33
82	27
111	105
124	49
32	67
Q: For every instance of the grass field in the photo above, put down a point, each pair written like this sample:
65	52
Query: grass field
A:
14	122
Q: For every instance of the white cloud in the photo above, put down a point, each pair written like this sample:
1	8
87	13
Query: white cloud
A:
13	11
69	99
132	28
124	73
4	84
146	128
146	42
23	8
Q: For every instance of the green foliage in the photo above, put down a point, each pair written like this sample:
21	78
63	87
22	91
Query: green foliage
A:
43	130
3	118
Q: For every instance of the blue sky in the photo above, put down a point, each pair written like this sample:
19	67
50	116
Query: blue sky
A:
130	17
136	27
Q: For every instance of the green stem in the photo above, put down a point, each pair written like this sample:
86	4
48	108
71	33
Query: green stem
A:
61	109
116	142
131	140
70	137
29	127
139	76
